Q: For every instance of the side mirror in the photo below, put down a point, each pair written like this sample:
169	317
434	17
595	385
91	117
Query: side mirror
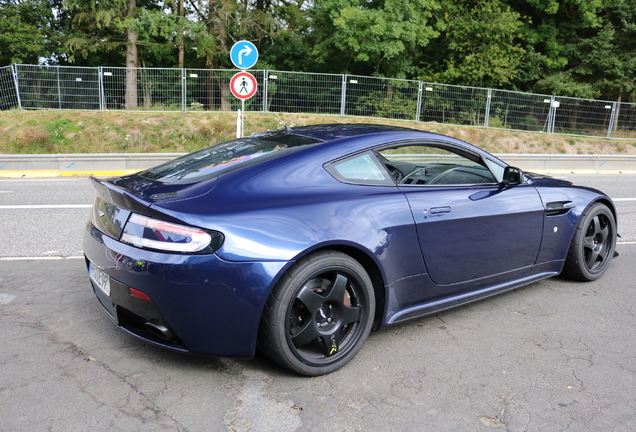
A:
512	176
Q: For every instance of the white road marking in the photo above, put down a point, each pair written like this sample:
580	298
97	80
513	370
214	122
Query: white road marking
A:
45	206
49	258
43	179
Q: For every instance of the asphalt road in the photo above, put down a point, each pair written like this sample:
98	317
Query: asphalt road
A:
554	356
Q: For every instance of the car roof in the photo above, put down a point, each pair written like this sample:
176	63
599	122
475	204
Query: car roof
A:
340	139
331	132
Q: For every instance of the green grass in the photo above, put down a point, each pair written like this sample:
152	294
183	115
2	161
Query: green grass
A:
56	132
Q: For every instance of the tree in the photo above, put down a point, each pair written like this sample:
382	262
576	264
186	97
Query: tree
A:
121	26
551	33
31	30
215	25
480	45
579	48
607	60
379	37
132	60
288	45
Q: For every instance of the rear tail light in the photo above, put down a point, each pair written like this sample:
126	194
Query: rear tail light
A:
163	236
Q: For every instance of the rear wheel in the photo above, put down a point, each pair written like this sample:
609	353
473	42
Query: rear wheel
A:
593	244
319	315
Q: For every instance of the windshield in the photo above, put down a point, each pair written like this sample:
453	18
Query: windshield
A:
212	161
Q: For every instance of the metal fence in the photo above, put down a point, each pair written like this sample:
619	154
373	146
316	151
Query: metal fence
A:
9	89
191	90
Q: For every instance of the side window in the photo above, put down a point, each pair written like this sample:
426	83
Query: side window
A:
362	169
432	165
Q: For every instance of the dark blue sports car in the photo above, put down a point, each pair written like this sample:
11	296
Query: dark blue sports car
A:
301	241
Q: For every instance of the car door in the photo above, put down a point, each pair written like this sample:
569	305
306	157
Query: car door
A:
470	226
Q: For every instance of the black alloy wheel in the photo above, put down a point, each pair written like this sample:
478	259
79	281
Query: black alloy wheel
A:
593	244
319	315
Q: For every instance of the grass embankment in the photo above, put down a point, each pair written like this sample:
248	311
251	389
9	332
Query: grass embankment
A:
59	132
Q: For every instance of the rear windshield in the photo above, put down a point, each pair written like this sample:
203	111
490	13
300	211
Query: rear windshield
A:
221	158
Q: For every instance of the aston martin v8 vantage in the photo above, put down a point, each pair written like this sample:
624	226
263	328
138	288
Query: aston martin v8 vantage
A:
299	242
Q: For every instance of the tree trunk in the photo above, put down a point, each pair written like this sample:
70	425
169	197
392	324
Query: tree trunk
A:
131	61
180	35
217	27
226	104
146	88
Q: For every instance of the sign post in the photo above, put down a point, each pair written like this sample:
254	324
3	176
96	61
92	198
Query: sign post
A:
243	85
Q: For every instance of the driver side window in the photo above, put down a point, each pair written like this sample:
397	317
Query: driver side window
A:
432	165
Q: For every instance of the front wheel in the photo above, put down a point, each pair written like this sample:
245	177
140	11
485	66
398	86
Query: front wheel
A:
319	315
593	244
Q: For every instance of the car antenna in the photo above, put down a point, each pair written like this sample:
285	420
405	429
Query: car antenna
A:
288	129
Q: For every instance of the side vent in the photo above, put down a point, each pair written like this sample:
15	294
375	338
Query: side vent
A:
558	207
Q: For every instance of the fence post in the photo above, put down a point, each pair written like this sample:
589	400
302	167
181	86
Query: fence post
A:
265	82
554	104
550	110
613	119
343	98
100	84
551	114
183	89
59	93
418	110
487	115
14	69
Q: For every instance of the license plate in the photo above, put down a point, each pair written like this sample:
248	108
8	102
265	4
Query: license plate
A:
101	279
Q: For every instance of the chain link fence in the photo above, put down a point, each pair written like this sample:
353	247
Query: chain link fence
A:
299	92
57	87
8	89
200	90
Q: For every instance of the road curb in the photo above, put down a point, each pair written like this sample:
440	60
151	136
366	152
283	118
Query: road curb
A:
118	164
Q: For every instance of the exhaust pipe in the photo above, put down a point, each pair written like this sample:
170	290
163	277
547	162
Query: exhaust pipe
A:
161	331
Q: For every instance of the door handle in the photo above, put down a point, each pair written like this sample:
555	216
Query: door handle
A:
439	210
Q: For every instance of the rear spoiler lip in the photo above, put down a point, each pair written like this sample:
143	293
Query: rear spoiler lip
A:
120	197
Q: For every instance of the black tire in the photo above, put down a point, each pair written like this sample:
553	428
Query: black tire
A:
593	244
319	314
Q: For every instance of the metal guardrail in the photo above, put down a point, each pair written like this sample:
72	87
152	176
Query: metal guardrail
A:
582	164
61	165
200	90
117	164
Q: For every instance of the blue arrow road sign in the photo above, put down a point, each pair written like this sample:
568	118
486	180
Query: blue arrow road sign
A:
244	54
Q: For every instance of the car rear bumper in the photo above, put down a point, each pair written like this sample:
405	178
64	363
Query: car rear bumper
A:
197	303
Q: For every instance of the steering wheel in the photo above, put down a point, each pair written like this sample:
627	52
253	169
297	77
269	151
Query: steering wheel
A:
396	174
442	175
